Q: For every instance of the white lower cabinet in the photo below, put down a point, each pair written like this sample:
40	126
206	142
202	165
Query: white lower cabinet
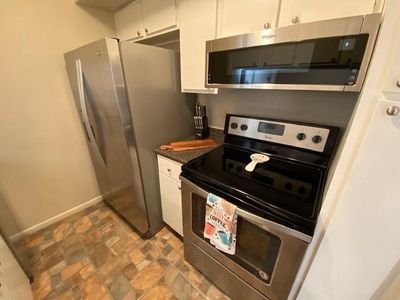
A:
170	189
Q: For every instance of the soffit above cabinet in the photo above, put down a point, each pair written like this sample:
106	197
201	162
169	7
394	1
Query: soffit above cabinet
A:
107	5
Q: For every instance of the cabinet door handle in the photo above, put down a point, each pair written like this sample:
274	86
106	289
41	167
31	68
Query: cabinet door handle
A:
138	33
179	187
146	30
393	110
168	169
398	83
295	20
267	25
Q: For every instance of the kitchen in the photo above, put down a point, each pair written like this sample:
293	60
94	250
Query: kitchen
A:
51	193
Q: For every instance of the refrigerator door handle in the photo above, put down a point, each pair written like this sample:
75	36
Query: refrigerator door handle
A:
85	116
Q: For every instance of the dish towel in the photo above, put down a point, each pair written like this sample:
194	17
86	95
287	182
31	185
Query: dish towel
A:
220	224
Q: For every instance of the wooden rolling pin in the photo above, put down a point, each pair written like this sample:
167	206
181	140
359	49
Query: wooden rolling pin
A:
189	145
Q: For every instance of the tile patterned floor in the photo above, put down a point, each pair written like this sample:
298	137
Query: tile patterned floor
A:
94	255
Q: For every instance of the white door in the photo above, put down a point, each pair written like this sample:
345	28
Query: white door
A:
361	244
14	285
238	16
197	22
129	22
303	11
158	15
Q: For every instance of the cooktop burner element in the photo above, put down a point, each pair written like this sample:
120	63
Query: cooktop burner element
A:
271	167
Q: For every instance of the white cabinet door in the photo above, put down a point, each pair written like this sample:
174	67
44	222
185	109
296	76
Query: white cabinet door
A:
197	22
361	245
238	16
171	203
129	22
14	284
158	15
295	11
393	79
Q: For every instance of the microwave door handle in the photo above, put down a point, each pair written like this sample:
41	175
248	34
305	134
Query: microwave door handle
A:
85	116
254	219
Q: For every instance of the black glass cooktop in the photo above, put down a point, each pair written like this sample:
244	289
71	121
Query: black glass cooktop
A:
288	188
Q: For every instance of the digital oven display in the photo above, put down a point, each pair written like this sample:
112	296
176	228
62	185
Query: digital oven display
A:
271	128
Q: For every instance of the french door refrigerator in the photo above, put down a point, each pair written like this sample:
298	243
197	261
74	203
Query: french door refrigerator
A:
129	101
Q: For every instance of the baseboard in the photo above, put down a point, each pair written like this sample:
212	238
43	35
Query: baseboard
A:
55	219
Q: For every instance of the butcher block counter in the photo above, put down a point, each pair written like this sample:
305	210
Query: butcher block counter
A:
185	156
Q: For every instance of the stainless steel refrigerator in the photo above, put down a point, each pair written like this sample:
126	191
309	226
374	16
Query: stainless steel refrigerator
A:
129	101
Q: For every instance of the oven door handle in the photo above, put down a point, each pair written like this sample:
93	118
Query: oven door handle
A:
256	220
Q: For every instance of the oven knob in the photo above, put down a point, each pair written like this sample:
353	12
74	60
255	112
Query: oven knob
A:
316	139
301	136
263	275
234	125
301	190
243	127
288	186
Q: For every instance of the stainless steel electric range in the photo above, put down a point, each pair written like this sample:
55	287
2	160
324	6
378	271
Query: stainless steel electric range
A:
277	204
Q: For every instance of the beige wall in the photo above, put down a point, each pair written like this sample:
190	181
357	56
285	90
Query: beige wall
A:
45	168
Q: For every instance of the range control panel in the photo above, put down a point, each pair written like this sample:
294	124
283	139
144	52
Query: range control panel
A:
296	135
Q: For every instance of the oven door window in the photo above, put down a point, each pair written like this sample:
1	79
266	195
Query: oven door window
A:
256	249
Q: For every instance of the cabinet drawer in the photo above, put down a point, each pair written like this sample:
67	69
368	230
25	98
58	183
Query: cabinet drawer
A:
169	168
171	203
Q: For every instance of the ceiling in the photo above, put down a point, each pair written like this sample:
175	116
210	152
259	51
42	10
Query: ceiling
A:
107	5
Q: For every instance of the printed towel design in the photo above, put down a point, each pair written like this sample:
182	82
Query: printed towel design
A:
220	224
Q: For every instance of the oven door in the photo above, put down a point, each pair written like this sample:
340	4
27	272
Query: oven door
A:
268	254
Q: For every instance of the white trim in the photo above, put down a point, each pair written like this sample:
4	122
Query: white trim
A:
56	218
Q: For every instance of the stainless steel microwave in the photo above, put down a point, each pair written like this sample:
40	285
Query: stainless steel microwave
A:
329	55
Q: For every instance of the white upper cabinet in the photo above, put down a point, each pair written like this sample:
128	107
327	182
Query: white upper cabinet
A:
158	15
145	18
129	22
303	11
197	22
238	16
